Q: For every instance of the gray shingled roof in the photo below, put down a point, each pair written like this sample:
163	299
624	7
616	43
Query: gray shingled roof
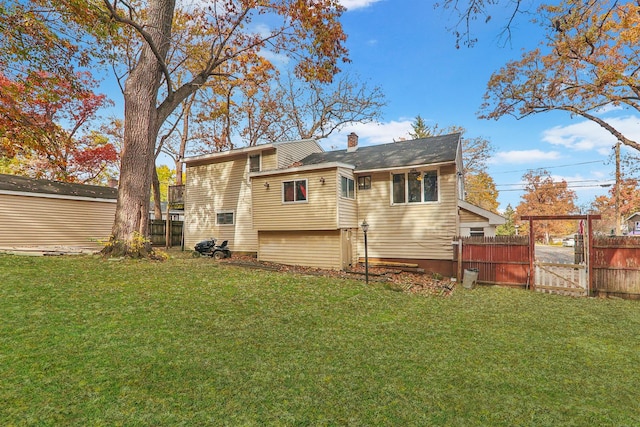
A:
28	185
436	149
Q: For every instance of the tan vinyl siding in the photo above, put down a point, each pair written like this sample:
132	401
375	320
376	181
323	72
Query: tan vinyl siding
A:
269	160
319	212
28	221
291	152
347	208
466	216
220	187
320	249
411	231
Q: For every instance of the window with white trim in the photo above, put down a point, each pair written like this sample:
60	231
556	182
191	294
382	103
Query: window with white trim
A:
347	187
294	191
364	182
414	187
254	163
225	218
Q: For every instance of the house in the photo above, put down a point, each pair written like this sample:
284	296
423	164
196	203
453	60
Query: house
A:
308	209
633	224
38	212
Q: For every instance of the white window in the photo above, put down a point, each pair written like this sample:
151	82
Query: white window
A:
225	218
414	187
347	187
294	191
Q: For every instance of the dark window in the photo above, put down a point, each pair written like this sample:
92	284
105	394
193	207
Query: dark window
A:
294	191
415	187
398	188
254	163
476	232
347	186
430	182
364	182
224	218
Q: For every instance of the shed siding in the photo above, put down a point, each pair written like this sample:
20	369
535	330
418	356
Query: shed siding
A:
318	213
319	249
28	221
411	231
219	187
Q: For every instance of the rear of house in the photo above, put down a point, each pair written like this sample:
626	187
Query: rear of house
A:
218	191
303	217
408	193
307	210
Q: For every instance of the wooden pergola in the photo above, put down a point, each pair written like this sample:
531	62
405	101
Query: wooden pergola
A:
589	246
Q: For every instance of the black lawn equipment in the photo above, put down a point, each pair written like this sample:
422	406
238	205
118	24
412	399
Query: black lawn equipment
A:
209	248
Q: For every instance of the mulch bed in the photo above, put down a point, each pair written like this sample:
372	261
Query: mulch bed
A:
396	280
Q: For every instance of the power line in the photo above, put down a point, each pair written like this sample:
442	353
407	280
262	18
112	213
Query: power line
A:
602	185
578	181
550	167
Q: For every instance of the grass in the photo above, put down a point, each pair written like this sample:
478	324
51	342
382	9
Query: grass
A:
89	342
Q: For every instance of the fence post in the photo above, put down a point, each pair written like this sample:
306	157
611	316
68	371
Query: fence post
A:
459	273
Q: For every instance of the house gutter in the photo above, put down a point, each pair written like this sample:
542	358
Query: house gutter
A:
404	167
223	154
307	168
57	196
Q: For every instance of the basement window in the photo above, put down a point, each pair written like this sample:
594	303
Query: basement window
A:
225	218
476	232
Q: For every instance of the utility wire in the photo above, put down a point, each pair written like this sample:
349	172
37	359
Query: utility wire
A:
550	167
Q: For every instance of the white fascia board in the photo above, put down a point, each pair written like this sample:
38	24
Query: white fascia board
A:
56	196
404	168
223	154
307	168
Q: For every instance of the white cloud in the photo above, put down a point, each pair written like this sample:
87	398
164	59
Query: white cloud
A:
523	156
357	4
589	136
369	134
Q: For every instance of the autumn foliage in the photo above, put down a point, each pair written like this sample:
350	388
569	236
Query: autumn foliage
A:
590	63
546	196
43	120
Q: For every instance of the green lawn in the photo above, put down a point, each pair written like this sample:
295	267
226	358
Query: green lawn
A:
89	342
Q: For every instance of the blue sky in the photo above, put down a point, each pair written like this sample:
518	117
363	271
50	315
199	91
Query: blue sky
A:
404	47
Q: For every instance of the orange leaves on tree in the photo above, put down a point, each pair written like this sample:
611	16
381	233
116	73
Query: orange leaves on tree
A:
41	121
591	61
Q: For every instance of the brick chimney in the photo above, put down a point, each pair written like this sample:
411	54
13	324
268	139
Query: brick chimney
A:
352	142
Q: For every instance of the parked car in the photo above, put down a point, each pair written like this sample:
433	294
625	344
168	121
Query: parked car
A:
569	242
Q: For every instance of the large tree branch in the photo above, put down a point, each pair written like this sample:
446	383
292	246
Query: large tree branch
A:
112	8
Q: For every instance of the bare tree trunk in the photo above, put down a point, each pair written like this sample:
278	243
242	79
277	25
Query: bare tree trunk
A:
184	138
141	127
157	197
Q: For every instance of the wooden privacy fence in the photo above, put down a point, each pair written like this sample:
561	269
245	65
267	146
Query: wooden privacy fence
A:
157	232
616	266
500	260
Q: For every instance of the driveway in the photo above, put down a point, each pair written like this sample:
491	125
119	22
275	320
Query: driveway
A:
558	254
